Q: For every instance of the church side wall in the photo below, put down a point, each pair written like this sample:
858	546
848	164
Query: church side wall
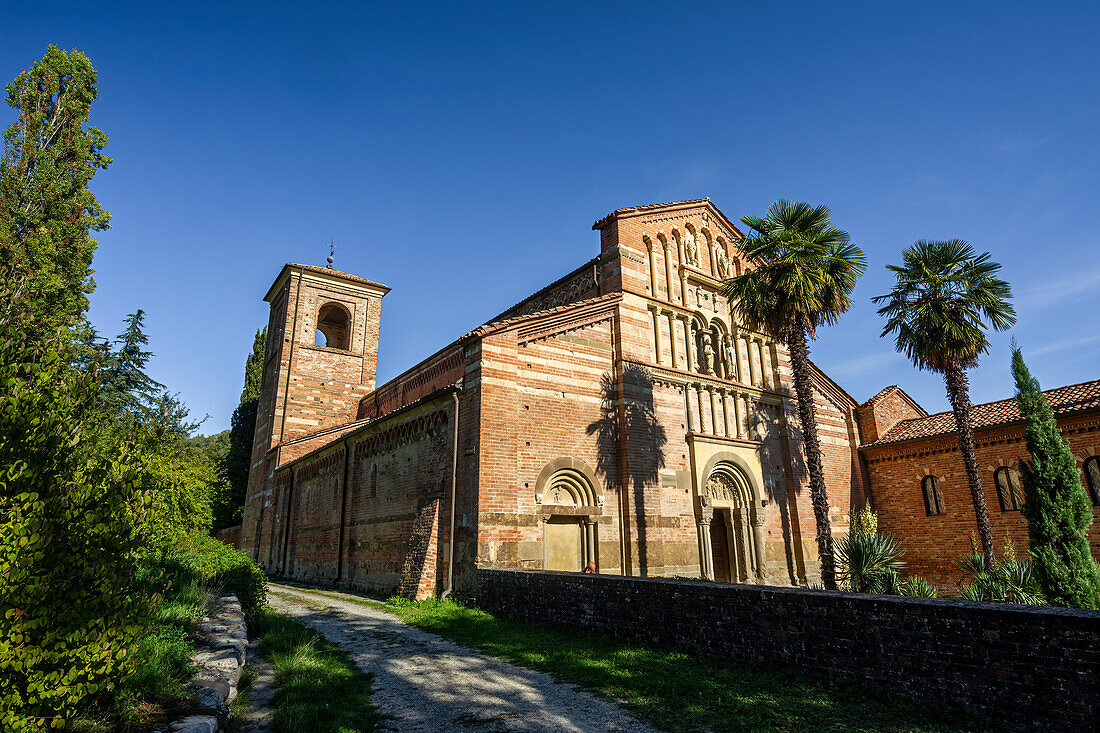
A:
542	402
387	485
933	544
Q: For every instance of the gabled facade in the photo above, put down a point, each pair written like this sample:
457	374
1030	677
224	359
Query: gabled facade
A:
619	416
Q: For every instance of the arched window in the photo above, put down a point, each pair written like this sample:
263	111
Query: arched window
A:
1009	491
933	497
332	326
1092	478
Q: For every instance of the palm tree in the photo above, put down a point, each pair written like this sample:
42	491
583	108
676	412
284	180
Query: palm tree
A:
805	271
944	298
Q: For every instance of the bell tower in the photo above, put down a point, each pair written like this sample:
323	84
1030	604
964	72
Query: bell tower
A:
321	358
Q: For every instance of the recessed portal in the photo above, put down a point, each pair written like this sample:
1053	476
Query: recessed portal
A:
720	546
563	544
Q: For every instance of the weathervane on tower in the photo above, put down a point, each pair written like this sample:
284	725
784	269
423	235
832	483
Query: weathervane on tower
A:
331	250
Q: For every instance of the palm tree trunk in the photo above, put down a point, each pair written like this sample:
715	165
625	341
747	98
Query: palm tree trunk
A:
800	364
958	392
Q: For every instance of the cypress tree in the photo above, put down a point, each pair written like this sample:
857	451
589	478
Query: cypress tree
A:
230	506
1056	506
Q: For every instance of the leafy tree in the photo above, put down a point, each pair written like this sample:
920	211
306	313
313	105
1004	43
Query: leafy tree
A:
46	209
71	529
1056	505
939	308
805	271
229	509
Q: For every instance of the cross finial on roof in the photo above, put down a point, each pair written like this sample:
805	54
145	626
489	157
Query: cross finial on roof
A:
331	250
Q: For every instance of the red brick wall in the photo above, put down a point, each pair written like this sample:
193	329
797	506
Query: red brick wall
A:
933	544
305	387
883	412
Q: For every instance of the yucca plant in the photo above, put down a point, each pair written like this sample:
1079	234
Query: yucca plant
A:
804	272
869	563
918	587
1005	581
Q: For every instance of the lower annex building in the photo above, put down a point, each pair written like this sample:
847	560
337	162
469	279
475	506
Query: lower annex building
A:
618	416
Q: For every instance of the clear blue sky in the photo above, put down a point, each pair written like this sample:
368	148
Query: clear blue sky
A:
460	152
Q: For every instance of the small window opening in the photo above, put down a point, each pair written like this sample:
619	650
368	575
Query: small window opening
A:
1009	491
1092	478
332	327
933	497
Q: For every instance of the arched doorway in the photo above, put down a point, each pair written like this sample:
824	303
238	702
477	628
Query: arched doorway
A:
720	549
731	527
569	507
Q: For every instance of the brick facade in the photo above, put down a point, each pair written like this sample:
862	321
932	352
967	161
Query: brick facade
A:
618	416
897	463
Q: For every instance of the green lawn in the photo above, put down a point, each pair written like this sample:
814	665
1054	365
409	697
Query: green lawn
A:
318	688
672	690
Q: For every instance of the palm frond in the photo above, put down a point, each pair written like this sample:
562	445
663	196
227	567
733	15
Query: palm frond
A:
945	298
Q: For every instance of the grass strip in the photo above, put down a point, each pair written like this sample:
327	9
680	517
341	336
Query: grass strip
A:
318	687
672	690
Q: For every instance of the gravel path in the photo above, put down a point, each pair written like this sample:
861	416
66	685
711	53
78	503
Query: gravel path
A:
425	683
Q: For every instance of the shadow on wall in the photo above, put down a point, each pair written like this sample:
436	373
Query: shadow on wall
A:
630	441
781	487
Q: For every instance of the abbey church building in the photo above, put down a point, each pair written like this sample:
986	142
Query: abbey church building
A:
619	416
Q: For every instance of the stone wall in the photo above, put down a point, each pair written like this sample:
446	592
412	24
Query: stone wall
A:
1030	666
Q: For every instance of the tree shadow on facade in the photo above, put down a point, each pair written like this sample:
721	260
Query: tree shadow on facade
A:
782	484
630	442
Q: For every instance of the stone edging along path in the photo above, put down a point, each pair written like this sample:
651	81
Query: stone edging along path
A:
223	638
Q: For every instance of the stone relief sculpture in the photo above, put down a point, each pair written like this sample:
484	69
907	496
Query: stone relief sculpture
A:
723	261
691	248
708	355
720	486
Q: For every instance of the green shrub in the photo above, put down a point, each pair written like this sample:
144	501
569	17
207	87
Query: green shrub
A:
869	563
1007	581
219	565
71	514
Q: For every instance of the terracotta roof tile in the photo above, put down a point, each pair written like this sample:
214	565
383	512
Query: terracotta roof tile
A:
1068	400
331	271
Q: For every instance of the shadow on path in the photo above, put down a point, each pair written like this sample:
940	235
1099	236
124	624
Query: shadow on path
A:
426	683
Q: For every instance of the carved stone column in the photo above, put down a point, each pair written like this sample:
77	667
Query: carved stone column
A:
738	416
702	409
758	540
726	413
689	342
652	265
707	564
765	364
748	360
692	424
713	412
591	539
668	269
773	354
737	356
672	339
656	336
737	538
747	417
